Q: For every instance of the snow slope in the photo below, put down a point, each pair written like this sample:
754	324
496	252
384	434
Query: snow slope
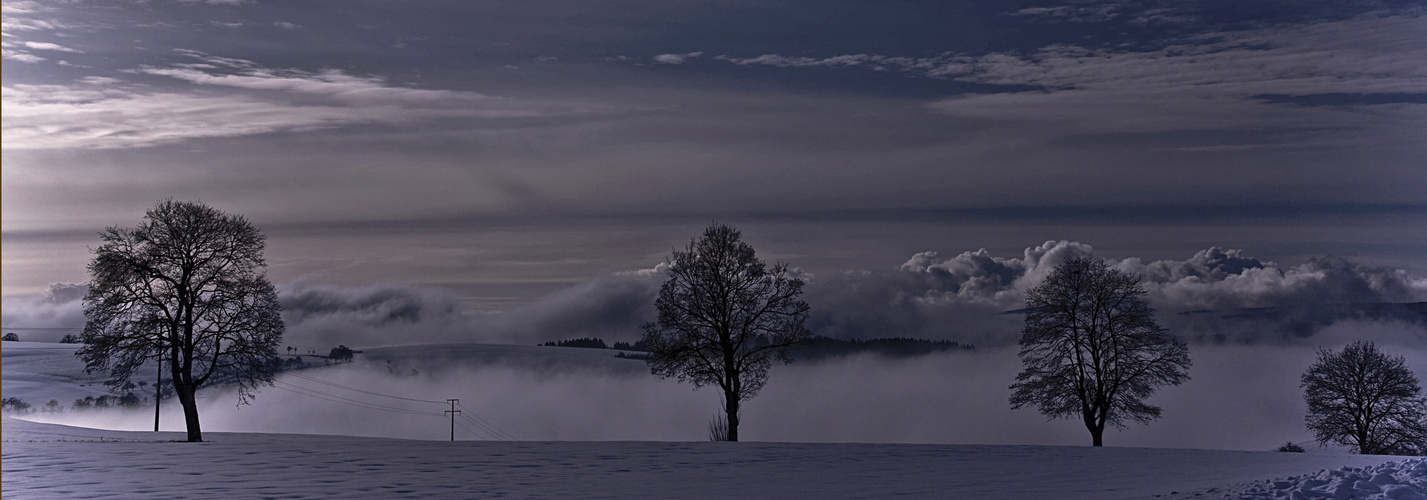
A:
51	461
43	460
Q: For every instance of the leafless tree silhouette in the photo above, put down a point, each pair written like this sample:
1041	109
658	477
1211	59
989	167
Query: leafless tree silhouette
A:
1365	399
185	284
1091	349
723	317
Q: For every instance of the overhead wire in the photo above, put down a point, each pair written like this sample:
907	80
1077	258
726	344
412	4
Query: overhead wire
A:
476	419
495	433
490	430
473	433
363	391
347	401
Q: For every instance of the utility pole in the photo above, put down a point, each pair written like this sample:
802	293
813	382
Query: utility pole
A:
158	390
453	411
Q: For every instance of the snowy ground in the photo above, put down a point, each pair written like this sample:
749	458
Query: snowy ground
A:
44	460
51	461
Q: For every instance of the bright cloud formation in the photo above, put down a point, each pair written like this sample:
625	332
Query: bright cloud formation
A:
676	58
105	114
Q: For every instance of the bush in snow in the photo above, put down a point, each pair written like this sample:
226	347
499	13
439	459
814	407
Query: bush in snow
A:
1290	448
718	428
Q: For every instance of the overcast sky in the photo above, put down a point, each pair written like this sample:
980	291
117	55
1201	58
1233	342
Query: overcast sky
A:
499	153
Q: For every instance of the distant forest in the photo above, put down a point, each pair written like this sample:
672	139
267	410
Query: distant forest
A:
817	348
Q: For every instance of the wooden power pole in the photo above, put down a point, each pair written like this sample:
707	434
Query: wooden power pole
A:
453	411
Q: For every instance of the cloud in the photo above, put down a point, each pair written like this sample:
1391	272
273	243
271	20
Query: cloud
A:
962	298
1356	55
49	46
330	82
1215	295
610	306
935	67
20	55
217	2
1212	80
57	308
676	58
22	24
286	25
1069	13
51	116
22	7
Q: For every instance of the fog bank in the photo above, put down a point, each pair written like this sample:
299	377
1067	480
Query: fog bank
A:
1240	397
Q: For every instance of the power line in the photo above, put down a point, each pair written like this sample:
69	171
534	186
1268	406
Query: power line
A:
495	433
474	433
491	431
476	419
363	391
346	401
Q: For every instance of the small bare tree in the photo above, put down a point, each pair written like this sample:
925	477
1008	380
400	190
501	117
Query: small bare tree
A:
185	284
723	317
1091	349
1365	399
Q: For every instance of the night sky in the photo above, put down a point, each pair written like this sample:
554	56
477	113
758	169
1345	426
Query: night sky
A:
419	167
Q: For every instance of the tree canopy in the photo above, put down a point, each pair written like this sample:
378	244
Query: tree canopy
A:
186	286
1092	349
1363	398
723	317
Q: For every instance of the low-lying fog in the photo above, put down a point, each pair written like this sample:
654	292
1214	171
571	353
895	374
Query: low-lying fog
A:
1240	397
1252	326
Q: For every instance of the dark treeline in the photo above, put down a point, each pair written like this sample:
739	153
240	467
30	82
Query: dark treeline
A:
585	342
816	348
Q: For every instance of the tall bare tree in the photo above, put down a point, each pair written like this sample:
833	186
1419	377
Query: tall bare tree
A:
723	317
1363	398
1091	349
185	284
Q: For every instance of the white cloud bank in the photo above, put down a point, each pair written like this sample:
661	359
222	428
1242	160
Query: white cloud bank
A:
1214	296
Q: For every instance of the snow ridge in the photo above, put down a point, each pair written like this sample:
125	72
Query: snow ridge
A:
1400	480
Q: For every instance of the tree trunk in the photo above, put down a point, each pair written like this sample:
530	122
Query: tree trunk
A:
190	411
730	407
1097	432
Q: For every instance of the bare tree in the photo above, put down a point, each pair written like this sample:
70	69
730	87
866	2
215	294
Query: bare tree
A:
1091	349
1366	399
185	284
723	317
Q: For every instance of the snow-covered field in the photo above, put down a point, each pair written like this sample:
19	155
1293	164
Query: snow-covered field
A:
51	461
46	460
